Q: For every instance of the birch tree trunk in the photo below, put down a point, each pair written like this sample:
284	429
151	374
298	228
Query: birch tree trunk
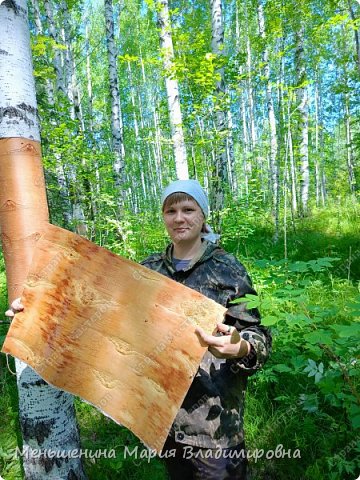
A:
39	31
172	91
221	164
76	189
116	116
319	144
349	148
60	80
250	92
70	190
274	164
70	73
356	34
47	415
61	96
303	127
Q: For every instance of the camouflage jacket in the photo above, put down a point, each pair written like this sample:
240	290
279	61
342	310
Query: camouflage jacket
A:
211	415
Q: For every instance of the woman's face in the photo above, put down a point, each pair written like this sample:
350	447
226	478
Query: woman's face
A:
183	221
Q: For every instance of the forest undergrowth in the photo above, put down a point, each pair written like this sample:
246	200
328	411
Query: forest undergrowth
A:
302	415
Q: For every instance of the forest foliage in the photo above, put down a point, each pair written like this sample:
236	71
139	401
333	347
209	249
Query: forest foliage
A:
290	189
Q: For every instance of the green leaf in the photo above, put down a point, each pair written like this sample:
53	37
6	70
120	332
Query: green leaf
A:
282	368
347	330
318	337
299	267
253	301
309	402
355	421
269	320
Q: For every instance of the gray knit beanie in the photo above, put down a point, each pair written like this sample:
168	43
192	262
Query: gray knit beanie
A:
192	188
195	190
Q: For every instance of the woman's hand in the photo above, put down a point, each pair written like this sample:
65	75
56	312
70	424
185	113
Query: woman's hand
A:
15	307
227	345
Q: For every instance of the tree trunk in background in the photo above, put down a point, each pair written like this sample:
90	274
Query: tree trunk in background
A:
172	90
60	80
230	153
47	415
69	64
250	93
39	31
70	190
319	145
221	179
61	96
303	127
246	166
116	118
349	148
294	199
356	34
76	189
274	163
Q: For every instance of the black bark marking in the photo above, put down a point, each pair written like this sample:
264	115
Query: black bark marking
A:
17	113
37	383
11	5
72	475
27	108
36	428
47	463
4	52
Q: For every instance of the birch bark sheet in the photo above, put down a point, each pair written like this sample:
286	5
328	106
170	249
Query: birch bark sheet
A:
111	331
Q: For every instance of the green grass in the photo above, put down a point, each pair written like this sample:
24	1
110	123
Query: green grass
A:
312	314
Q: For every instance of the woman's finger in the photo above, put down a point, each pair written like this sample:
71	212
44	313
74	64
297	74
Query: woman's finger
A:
17	305
226	329
210	339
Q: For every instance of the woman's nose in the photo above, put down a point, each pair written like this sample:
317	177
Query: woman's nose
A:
179	217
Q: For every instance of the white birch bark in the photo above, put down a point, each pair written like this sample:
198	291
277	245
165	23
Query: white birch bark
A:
294	201
71	190
69	67
253	134
60	80
274	164
349	148
116	117
95	186
221	163
88	77
47	415
158	152
133	103
172	90
246	165
317	169
39	31
356	33
61	93
246	150
303	123
18	107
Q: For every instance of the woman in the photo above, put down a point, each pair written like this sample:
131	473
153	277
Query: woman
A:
207	434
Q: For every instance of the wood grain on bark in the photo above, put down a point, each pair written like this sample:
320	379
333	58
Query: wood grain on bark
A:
111	331
23	207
